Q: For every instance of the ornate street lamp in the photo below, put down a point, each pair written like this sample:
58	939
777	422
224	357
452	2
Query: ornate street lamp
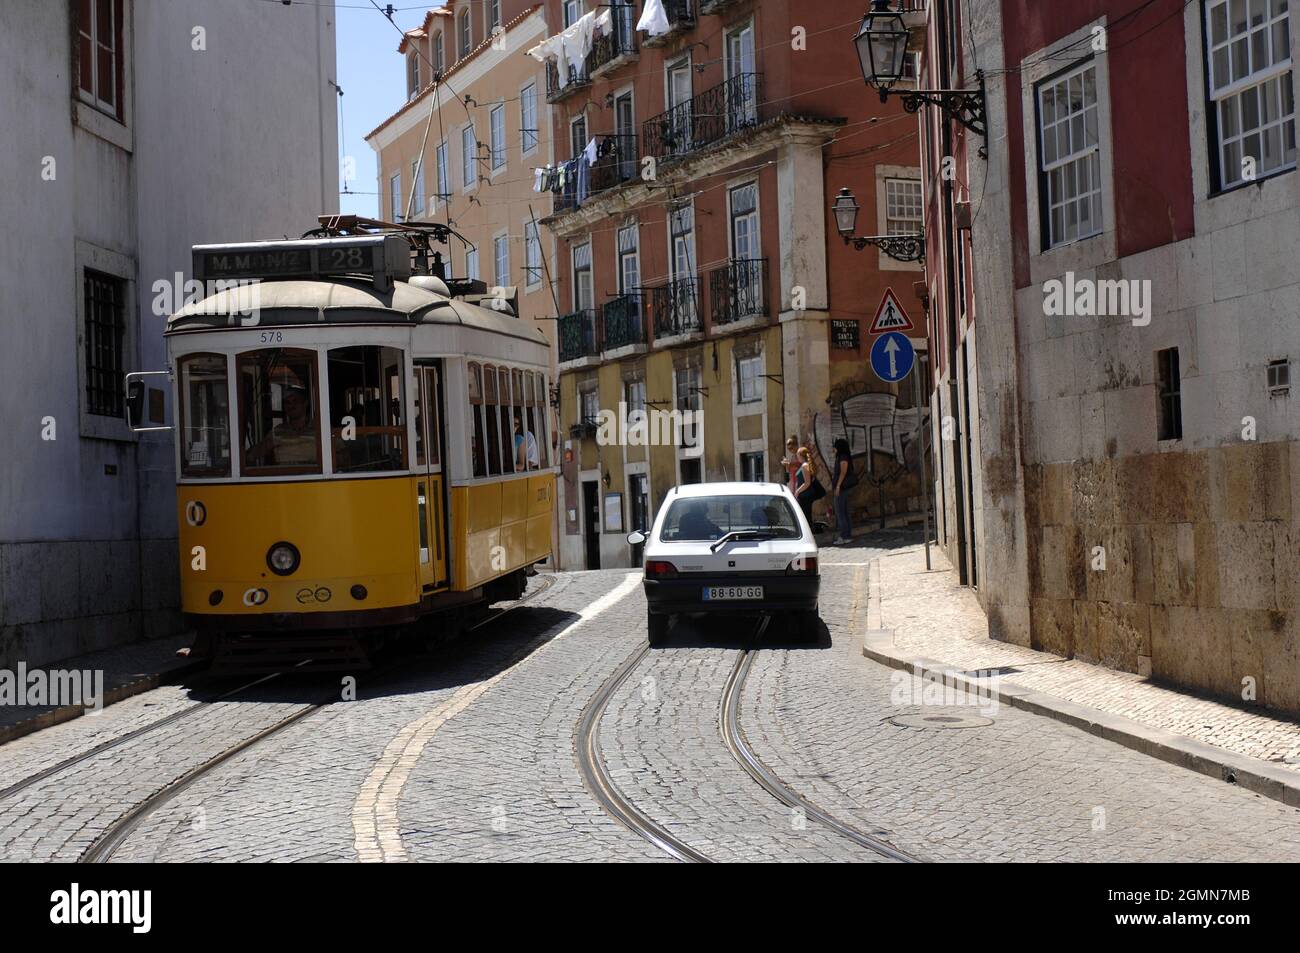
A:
881	45
906	247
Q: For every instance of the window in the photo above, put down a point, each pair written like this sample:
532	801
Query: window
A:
365	385
1169	391
468	155
746	271
629	268
412	74
417	190
492	411
1069	156
497	129
395	197
634	394
902	206
590	405
1279	378
572	11
1251	98
476	441
687	380
749	379
752	468
99	53
204	416
279	431
501	260
463	31
532	255
493	14
436	46
583	293
681	230
711	517
528	439
105	343
689	471
528	118
471	264
444	190
577	136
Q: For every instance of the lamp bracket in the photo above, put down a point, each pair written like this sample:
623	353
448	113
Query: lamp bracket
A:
898	247
966	106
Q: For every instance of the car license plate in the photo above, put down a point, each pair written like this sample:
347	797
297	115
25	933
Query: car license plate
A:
723	593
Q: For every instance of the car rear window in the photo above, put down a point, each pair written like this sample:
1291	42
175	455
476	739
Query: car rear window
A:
710	517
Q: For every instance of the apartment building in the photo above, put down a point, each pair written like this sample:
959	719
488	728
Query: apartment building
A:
1126	424
136	130
699	268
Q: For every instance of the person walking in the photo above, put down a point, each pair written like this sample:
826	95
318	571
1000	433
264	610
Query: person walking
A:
843	480
810	489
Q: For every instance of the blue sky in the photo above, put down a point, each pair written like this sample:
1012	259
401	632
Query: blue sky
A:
371	74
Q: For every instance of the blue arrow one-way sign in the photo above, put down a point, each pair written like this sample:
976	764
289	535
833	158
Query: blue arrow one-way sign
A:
892	357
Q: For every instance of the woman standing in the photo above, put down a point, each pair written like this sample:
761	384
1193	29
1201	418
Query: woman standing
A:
791	463
810	488
843	480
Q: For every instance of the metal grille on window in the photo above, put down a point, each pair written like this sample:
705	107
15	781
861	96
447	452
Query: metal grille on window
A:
105	340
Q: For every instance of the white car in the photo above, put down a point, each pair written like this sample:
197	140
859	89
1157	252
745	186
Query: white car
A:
728	548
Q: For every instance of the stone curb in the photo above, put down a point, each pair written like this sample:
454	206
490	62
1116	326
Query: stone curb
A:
112	696
1250	773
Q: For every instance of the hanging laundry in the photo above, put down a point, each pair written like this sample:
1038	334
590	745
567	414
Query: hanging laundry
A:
590	152
570	47
654	19
539	177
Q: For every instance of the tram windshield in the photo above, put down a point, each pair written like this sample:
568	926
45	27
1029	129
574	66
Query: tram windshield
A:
205	416
279	430
366	400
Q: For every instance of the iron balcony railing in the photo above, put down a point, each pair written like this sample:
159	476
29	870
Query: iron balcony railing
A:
680	13
579	335
707	118
617	165
675	307
619	41
577	79
738	290
624	322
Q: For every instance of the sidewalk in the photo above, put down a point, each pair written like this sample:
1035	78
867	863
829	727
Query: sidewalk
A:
128	670
923	621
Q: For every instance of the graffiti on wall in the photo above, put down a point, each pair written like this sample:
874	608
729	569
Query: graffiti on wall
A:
867	419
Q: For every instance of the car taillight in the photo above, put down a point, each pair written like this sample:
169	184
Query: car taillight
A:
802	564
659	569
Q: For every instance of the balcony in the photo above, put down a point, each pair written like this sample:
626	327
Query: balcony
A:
675	308
616	164
577	80
624	324
705	119
616	48
681	17
579	336
716	7
737	291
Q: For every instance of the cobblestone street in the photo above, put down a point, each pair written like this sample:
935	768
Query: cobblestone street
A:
471	753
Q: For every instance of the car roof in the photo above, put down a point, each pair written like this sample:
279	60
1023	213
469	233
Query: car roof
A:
697	490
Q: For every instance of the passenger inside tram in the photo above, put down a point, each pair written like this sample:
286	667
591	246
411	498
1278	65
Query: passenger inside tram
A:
292	442
526	455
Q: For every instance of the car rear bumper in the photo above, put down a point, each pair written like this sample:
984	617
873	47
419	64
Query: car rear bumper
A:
781	593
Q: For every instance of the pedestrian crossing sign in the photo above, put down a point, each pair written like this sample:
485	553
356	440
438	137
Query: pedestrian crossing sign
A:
890	316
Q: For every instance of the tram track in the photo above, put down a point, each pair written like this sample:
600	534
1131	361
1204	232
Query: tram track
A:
733	736
108	842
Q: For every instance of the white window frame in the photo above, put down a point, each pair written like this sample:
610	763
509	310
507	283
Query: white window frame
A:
532	272
468	159
412	74
756	364
497	146
492	15
527	96
435	48
464	34
417	189
571	12
1073	164
1255	85
500	267
442	187
471	263
884	175
395	208
575	297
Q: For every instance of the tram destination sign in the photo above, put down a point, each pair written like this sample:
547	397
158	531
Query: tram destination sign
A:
385	257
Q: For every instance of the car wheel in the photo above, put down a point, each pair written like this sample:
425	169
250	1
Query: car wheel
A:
656	628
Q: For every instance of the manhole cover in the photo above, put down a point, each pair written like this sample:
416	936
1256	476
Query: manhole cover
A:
940	721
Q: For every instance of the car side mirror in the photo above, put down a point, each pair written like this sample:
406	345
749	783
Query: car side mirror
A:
819	527
144	415
636	537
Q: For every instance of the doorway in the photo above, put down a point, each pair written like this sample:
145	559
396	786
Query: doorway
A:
591	521
638	492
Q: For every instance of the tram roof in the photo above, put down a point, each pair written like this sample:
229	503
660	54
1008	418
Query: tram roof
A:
300	303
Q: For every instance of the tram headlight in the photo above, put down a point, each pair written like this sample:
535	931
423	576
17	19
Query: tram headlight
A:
283	558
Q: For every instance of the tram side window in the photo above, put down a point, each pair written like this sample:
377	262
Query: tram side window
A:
507	424
525	432
279	399
205	416
491	404
365	385
476	441
537	410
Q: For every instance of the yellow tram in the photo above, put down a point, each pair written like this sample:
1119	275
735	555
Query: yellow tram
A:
357	446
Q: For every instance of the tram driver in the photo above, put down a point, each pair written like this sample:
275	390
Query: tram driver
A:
292	442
